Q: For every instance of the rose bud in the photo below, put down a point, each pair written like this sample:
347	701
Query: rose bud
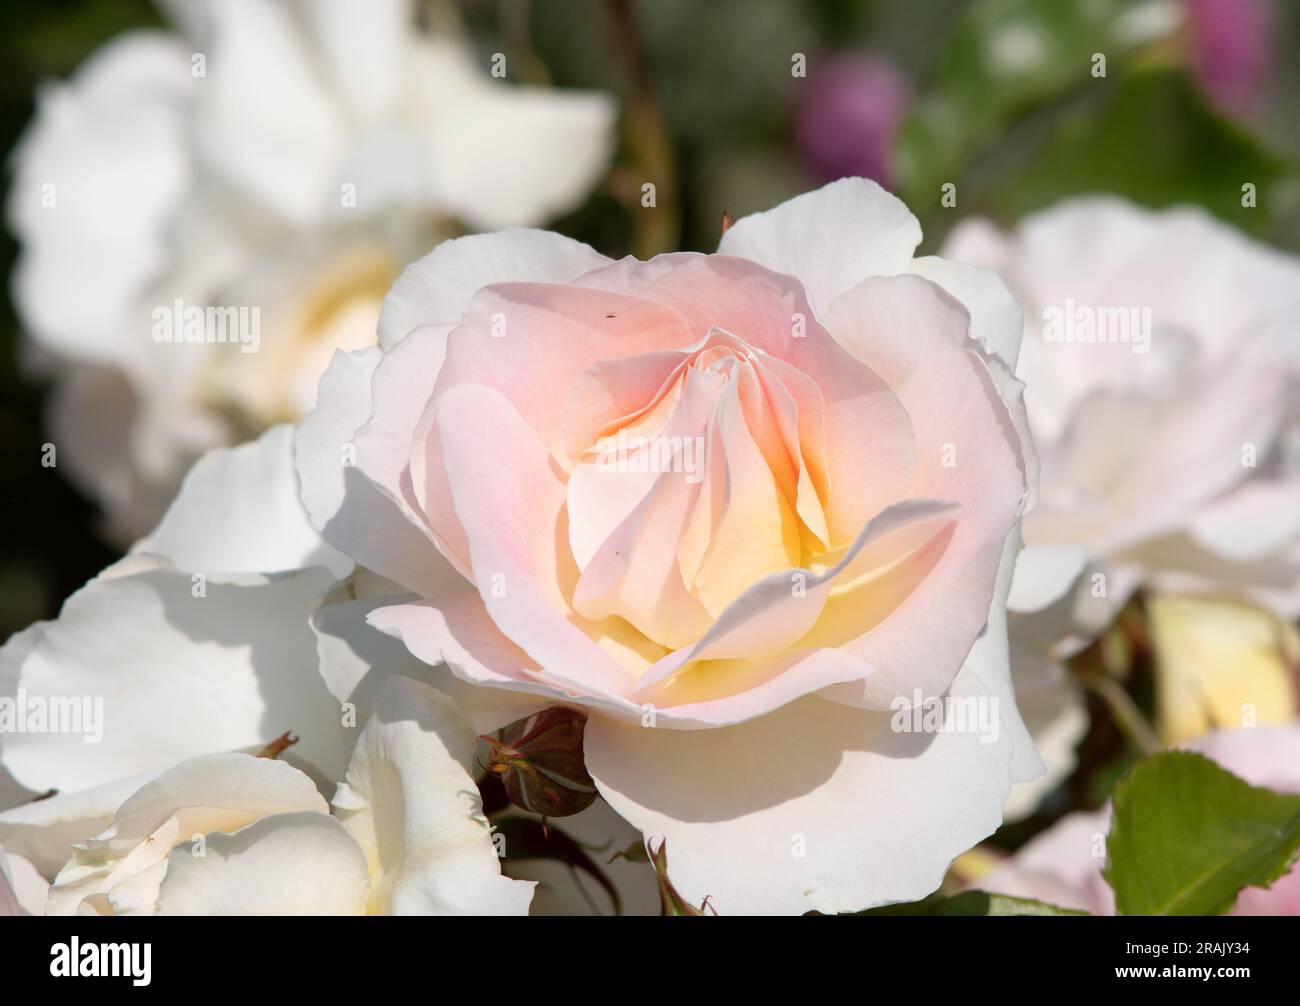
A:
539	761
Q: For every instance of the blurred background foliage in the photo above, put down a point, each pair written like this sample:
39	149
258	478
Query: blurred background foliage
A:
1000	98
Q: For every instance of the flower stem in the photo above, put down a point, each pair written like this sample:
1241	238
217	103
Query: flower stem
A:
1128	717
656	227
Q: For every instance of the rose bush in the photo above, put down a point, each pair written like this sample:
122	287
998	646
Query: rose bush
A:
736	507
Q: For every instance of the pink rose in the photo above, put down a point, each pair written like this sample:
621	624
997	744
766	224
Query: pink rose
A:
736	507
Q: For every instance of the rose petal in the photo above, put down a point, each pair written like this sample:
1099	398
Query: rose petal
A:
437	289
914	336
356	659
280	153
22	889
996	319
365	52
512	518
566	139
239	511
348	506
285	864
212	793
804	816
830	238
177	675
109	147
412	806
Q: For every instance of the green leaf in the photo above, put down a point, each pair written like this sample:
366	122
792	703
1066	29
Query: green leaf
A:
1186	836
971	903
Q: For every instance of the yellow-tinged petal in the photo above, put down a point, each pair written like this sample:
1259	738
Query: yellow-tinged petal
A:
1220	663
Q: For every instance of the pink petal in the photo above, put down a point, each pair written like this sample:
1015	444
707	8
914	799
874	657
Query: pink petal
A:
513	515
925	614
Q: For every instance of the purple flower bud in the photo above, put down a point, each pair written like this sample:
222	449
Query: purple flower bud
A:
1231	49
848	113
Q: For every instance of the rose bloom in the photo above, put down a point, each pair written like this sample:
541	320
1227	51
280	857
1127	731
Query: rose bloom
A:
1063	865
1160	356
283	157
230	834
735	507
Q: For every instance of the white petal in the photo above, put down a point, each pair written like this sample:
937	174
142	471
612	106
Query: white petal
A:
816	806
356	659
347	508
44	831
831	239
232	785
989	661
480	142
437	289
239	512
995	317
366	48
264	121
1193	272
1043	575
126	455
109	149
287	864
1252	522
1179	564
1050	703
174	675
126	862
412	806
22	889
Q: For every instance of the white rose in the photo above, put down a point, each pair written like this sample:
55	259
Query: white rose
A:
289	157
1160	355
233	834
